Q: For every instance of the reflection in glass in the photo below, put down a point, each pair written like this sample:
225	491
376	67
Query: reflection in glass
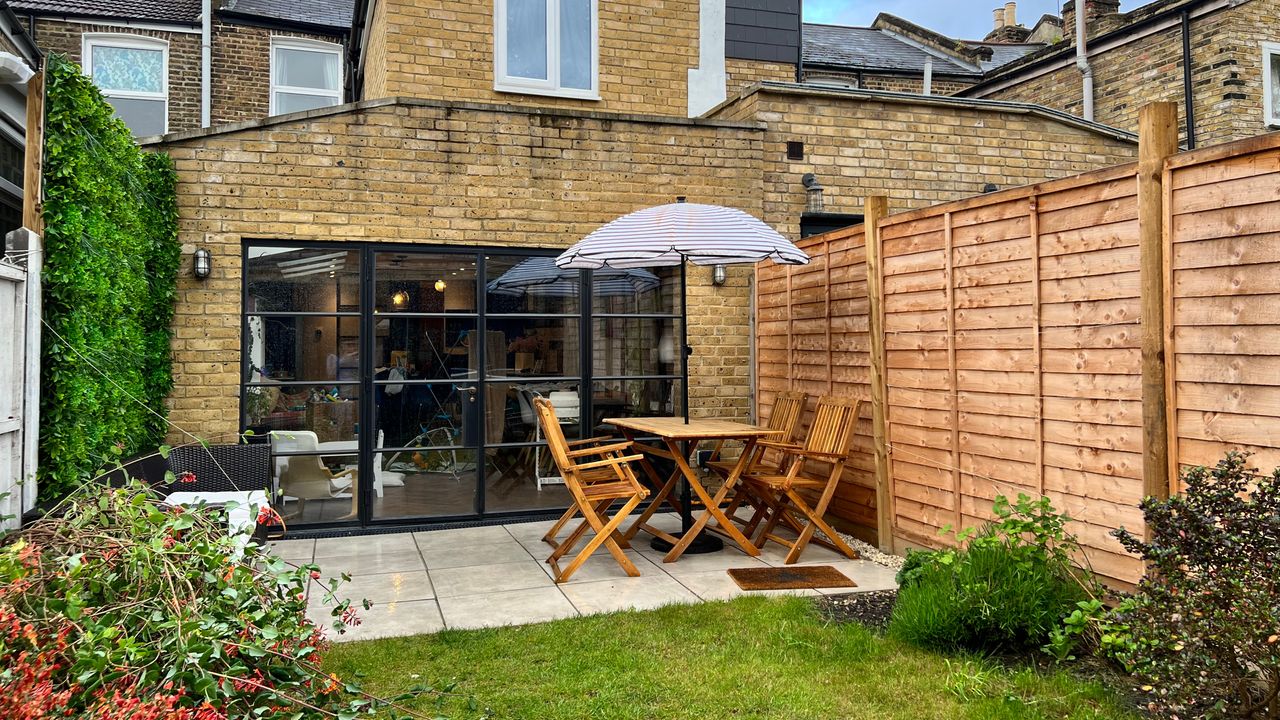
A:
533	347
425	415
315	479
520	422
636	346
637	398
424	348
424	483
517	284
302	280
307	348
661	297
523	478
327	411
424	283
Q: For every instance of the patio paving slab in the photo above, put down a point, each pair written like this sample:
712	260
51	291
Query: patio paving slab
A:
440	557
387	587
461	536
717	585
730	557
477	579
497	609
391	619
371	562
294	551
646	592
601	566
364	545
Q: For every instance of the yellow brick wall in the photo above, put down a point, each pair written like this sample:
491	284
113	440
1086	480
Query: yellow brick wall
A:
430	174
443	49
375	54
1226	64
741	73
890	83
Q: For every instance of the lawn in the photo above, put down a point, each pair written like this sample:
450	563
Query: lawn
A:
748	658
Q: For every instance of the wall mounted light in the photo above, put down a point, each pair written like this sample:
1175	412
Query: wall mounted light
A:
440	286
202	263
718	275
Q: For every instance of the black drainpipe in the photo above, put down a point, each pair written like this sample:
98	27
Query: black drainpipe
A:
800	49
1187	92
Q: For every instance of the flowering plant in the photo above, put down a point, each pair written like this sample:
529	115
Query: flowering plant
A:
115	607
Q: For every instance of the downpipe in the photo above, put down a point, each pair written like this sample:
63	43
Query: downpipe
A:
1082	61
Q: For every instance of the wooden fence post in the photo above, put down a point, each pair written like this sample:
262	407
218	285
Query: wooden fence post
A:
1157	140
876	208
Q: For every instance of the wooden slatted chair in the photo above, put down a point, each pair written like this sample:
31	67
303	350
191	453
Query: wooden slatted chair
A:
596	476
785	416
828	442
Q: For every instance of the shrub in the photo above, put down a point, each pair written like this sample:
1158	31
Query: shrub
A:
116	607
1009	587
1203	630
111	262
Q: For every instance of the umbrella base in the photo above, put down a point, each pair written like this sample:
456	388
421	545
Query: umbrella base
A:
701	545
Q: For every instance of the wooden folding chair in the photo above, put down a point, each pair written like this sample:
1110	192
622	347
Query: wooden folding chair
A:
596	476
828	443
788	407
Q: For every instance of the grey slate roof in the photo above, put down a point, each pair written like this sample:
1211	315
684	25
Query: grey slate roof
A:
185	12
864	48
328	13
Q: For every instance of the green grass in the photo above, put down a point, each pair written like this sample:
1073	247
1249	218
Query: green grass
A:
749	658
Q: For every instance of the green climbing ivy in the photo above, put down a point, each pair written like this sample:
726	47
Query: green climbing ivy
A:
111	263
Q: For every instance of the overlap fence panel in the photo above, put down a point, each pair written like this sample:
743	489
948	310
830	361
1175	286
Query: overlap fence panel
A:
1013	360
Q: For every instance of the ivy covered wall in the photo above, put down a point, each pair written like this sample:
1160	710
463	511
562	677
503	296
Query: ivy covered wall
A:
111	262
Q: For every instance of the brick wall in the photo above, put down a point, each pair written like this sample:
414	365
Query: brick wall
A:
742	73
436	174
65	37
890	83
242	70
443	49
1226	66
375	54
916	153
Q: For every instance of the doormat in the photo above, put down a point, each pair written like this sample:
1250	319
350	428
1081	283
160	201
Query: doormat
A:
790	578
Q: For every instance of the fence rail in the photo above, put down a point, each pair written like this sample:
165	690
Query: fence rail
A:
1013	346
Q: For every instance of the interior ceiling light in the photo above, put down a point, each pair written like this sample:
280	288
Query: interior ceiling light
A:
400	298
440	286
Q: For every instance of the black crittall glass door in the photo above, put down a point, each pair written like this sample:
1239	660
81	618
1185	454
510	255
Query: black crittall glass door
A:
395	383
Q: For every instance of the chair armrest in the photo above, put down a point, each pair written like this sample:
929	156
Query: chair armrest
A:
600	449
784	446
820	455
617	460
588	441
349	472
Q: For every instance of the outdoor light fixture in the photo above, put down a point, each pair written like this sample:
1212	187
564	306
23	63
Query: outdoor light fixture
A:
202	263
440	286
718	275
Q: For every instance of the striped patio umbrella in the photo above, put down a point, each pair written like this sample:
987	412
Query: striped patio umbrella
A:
539	276
681	232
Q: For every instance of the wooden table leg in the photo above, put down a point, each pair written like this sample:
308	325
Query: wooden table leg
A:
711	505
663	492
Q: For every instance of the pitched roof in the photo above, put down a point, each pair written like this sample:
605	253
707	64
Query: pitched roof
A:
185	12
327	13
864	48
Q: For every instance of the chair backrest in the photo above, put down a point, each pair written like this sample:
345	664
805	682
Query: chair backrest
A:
553	434
786	412
833	424
219	468
283	441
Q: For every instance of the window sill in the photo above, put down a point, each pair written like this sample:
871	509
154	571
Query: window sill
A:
566	94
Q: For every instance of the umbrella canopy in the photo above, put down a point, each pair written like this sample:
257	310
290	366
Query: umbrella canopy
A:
679	232
539	276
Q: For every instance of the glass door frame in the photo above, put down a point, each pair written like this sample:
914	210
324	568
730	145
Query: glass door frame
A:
366	434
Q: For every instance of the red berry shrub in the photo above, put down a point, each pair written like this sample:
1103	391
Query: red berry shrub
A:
115	607
1203	631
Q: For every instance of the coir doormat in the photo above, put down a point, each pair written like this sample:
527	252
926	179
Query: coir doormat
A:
790	578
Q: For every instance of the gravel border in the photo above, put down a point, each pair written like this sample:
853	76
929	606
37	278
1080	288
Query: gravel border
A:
872	553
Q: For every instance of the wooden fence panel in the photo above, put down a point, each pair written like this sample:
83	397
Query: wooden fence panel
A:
1013	342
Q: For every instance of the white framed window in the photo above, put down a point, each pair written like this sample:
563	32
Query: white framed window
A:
132	71
1271	83
305	74
547	47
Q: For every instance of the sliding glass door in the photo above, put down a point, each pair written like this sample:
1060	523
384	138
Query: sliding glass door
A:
443	351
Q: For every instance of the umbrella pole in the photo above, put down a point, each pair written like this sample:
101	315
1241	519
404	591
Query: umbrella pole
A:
685	350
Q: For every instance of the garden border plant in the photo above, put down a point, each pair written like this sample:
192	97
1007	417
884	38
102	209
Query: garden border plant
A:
110	269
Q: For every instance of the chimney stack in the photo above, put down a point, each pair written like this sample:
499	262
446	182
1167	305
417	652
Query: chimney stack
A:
1093	11
1011	13
998	13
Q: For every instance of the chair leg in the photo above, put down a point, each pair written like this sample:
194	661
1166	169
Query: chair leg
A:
604	535
814	515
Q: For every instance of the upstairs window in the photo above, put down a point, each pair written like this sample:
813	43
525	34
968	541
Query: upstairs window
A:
1271	83
305	74
546	47
132	72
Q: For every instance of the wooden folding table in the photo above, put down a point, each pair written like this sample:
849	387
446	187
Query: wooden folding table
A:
677	435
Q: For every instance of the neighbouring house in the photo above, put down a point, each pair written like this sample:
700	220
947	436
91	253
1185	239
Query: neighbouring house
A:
19	59
149	57
1219	59
894	54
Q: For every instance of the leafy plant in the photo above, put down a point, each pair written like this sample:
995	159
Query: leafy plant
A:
1203	631
116	607
111	262
1010	585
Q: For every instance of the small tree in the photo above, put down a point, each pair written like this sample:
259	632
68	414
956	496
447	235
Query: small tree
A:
1205	624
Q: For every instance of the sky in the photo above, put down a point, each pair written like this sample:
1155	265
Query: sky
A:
965	19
